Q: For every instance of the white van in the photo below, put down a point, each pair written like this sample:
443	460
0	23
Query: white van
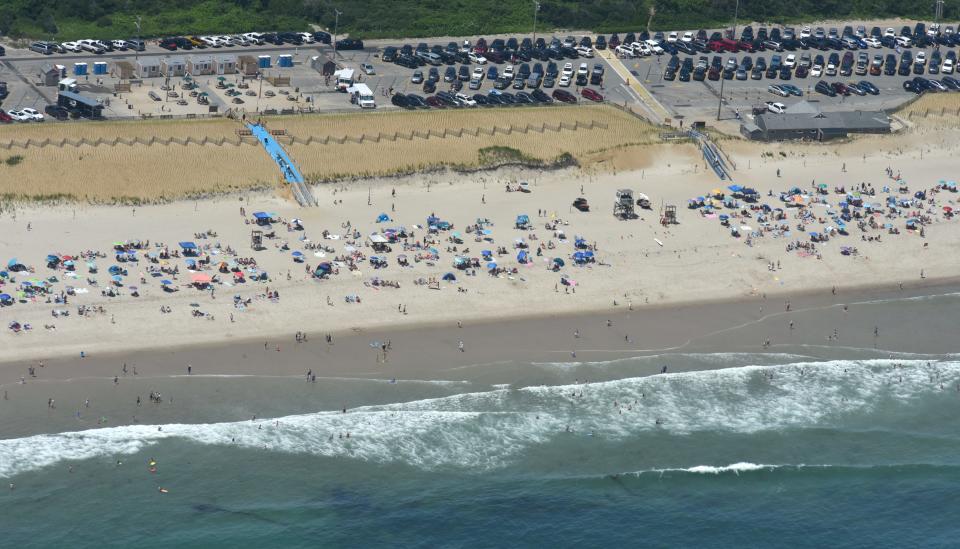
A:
361	95
344	79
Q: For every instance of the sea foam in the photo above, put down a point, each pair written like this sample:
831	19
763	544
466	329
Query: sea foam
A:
491	429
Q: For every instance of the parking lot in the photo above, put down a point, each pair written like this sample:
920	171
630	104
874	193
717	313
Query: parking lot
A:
309	90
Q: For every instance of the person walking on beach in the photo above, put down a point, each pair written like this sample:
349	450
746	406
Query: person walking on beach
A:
460	346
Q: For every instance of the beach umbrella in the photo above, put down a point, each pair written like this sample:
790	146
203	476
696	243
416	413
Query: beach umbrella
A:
735	188
166	282
12	263
297	254
558	262
450	277
201	278
492	265
4	274
947	209
486	253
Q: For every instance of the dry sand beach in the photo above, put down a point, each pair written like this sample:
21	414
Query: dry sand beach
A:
639	263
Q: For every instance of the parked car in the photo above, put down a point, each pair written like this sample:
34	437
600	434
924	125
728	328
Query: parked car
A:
825	88
564	96
777	89
591	94
57	112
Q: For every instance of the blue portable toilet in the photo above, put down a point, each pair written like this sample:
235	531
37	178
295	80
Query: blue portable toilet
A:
100	67
285	60
263	61
79	69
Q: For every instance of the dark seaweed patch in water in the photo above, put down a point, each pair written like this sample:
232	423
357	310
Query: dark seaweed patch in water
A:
211	508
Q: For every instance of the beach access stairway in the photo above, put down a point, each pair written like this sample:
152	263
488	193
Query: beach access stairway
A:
301	191
713	155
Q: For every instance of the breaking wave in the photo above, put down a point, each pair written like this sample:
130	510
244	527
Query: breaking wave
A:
491	429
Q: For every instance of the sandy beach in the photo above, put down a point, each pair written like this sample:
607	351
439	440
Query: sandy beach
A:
637	263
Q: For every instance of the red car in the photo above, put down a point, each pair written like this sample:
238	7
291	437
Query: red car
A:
435	102
564	96
481	46
4	117
591	94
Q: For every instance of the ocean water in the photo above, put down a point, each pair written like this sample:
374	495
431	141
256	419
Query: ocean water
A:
749	450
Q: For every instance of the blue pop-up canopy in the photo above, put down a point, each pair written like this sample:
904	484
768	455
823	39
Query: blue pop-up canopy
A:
188	245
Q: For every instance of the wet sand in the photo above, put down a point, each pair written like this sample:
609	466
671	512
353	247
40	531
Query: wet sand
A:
236	380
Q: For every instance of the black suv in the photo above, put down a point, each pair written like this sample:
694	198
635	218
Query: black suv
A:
349	44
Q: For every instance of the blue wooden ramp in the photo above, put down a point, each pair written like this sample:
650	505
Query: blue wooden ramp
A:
289	170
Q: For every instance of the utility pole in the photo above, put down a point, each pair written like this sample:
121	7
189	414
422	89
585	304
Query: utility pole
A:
736	12
720	103
336	26
136	51
938	11
536	8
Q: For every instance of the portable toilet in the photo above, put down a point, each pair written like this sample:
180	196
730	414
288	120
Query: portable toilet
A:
100	67
284	60
263	61
79	69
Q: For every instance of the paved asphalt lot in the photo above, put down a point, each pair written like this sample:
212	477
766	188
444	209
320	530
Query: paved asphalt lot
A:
690	100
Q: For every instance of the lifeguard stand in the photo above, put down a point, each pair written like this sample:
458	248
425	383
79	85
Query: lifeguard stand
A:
256	240
623	207
669	215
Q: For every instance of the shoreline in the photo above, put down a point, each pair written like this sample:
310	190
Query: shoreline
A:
860	292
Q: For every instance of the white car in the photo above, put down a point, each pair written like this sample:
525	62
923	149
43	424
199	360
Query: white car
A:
253	37
33	114
625	50
920	58
673	37
71	47
478	59
465	100
654	47
584	51
508	72
776	108
947	66
687	37
806	32
816	71
564	82
568	69
889	32
119	45
790	61
18	116
583	70
872	42
307	37
478	74
904	41
640	48
210	41
367	68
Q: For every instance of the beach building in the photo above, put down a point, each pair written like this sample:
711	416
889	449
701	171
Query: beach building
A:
173	66
226	64
248	65
51	74
123	70
148	67
200	65
806	121
87	107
